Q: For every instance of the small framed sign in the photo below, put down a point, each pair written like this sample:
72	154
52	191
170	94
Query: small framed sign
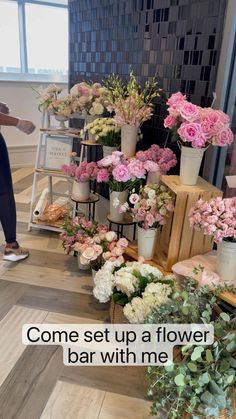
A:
57	152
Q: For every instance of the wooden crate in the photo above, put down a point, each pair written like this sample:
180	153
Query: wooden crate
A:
177	240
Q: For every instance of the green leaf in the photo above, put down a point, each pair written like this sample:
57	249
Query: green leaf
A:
185	310
197	353
179	380
209	356
230	379
169	368
231	346
232	362
192	366
225	317
204	378
207	397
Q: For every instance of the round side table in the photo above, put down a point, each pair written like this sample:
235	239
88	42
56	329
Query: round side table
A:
91	202
127	221
88	143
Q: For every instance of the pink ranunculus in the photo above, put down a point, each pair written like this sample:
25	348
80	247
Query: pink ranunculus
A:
170	122
121	173
189	112
134	198
102	175
176	98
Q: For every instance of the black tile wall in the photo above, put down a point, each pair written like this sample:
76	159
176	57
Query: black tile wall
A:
177	39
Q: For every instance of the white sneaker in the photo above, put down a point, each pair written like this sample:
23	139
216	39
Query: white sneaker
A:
15	254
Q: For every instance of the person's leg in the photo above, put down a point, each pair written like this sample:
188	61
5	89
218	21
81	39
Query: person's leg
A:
8	208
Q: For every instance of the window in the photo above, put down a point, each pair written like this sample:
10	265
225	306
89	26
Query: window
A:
35	35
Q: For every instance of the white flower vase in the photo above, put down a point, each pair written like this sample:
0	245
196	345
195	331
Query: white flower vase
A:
226	261
114	210
153	178
81	266
62	119
146	242
108	150
129	136
80	191
190	163
88	119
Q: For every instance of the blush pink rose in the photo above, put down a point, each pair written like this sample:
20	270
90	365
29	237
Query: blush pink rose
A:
189	111
191	132
169	122
223	138
176	98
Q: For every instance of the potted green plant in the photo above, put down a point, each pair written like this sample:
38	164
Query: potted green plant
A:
200	383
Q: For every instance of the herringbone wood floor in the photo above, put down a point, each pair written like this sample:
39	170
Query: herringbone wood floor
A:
48	288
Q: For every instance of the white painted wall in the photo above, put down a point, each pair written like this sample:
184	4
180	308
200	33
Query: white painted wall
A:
23	104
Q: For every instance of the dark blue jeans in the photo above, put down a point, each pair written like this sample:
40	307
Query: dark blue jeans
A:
7	200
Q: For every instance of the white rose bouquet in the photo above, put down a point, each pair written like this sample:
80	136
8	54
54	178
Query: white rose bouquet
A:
136	286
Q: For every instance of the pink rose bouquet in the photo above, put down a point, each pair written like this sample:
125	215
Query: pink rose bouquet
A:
82	173
163	157
151	207
197	127
216	217
88	98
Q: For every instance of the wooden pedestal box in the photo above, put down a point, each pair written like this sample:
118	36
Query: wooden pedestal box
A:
177	240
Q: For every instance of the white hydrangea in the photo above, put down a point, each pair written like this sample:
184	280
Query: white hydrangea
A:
125	281
104	281
155	295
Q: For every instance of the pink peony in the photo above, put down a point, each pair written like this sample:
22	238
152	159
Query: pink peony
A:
151	166
169	122
136	169
102	175
121	173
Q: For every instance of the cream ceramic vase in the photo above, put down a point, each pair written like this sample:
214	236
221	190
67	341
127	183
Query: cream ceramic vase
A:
108	150
153	178
129	136
190	163
226	261
146	242
80	190
114	210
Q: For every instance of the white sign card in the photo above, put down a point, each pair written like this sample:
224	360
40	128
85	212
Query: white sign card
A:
231	180
57	152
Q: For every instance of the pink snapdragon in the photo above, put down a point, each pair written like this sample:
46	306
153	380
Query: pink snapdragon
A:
216	218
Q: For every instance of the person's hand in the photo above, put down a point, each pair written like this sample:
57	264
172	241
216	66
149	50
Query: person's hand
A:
25	126
4	108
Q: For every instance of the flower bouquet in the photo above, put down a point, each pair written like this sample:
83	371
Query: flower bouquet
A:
197	128
217	218
82	175
134	286
163	157
132	106
94	243
88	99
149	209
122	175
106	133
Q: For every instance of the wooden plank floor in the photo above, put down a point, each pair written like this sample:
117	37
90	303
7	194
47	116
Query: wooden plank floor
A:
48	288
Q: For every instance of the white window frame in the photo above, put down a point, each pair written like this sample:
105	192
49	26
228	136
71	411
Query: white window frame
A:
24	75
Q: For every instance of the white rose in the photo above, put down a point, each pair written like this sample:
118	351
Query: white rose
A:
151	194
110	236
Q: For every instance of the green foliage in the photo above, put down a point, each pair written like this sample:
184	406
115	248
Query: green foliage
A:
203	378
